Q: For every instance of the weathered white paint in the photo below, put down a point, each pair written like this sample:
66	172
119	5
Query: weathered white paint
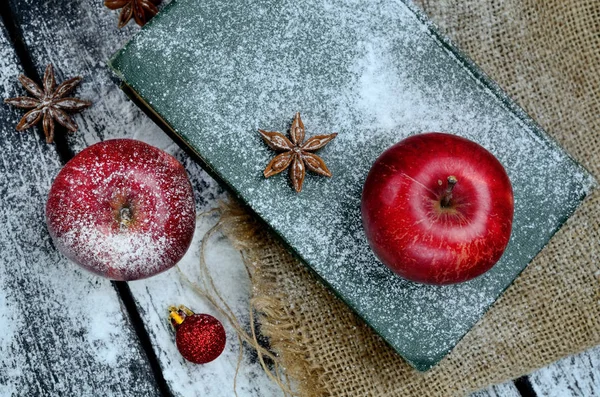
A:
62	330
78	37
575	376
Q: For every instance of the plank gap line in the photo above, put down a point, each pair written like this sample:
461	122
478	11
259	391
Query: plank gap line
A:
126	296
524	387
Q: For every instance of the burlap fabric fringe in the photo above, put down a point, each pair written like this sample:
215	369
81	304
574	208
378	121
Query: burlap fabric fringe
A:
546	55
233	217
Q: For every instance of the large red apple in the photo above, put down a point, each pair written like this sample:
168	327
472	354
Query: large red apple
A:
122	209
437	208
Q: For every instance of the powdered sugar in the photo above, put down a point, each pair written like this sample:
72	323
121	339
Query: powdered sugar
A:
122	209
374	73
47	345
122	252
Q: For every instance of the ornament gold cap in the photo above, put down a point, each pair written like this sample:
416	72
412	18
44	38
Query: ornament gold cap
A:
178	314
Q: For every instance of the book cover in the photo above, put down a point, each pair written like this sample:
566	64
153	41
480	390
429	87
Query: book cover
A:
375	72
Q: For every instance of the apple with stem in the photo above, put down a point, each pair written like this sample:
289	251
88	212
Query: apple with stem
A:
437	209
122	209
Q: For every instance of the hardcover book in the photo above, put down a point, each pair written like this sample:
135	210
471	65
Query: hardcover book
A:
375	72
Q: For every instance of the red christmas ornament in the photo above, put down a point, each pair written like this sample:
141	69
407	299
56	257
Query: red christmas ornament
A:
200	338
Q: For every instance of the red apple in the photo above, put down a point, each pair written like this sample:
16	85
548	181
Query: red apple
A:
122	209
437	208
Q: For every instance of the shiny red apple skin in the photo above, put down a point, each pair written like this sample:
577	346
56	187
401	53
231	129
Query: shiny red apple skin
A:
418	237
122	209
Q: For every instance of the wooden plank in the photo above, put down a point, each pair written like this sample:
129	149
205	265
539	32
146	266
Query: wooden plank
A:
507	389
78	37
574	376
63	331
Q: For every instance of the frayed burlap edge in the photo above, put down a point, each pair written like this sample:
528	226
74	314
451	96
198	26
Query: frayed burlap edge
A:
277	321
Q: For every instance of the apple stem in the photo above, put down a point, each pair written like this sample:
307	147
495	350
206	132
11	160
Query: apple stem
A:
447	197
178	314
125	215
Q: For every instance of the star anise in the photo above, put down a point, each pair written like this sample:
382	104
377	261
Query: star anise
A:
49	103
296	152
140	10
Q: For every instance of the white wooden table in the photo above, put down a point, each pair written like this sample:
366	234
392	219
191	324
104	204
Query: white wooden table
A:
64	332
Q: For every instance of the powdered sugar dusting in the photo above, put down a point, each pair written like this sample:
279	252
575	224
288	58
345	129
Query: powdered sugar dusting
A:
119	251
122	209
10	321
46	303
375	74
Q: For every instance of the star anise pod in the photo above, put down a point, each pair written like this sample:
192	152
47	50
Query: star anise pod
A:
140	10
49	103
296	152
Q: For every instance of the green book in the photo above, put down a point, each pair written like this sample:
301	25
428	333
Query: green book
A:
214	72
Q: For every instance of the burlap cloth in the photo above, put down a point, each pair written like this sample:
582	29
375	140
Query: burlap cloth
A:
546	55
